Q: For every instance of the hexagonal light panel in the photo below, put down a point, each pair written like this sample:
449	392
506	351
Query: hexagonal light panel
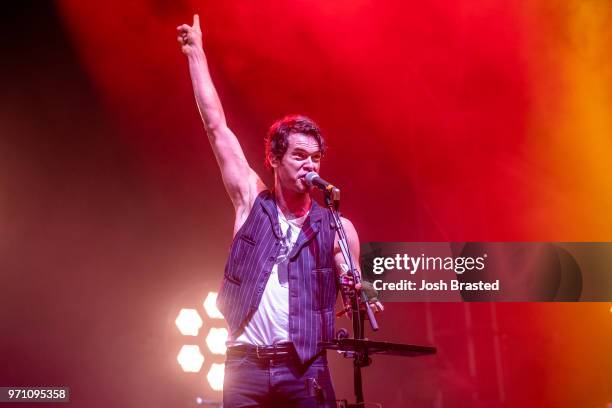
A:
210	305
216	340
188	322
190	358
215	376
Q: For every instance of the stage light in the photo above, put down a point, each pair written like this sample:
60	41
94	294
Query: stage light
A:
216	340
190	358
210	305
188	322
215	376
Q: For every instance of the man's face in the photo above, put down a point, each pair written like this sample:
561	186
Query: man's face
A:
303	156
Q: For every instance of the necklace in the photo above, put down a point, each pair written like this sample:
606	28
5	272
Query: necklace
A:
288	238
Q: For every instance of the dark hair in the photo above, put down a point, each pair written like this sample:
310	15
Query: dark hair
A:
277	139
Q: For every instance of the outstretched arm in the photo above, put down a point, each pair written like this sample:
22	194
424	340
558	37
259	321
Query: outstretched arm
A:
241	182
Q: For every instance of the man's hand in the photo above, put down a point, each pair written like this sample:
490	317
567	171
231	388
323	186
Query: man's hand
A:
347	287
372	295
190	37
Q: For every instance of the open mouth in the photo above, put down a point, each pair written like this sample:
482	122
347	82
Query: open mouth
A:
302	179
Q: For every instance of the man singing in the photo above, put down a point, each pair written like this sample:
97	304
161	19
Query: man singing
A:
280	282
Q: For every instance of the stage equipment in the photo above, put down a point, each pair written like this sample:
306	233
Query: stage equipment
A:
357	348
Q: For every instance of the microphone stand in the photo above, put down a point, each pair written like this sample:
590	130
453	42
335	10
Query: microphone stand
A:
360	357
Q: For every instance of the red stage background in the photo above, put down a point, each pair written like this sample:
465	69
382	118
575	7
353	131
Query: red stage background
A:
447	121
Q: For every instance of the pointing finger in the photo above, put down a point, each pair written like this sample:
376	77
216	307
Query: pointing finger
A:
196	21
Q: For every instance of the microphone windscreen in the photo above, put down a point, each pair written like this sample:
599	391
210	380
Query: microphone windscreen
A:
310	176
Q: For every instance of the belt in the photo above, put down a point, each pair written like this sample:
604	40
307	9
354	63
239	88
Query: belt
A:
276	351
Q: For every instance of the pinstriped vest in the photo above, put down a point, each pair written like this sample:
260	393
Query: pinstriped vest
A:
312	280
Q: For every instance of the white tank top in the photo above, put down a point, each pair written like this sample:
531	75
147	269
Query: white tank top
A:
270	322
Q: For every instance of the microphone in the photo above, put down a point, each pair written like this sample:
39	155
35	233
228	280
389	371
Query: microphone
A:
314	180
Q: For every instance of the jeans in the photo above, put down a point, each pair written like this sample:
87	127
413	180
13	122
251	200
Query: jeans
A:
253	382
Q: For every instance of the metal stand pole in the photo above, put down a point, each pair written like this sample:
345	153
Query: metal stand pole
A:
360	358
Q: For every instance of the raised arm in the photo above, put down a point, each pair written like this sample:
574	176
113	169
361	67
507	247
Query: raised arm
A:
241	182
